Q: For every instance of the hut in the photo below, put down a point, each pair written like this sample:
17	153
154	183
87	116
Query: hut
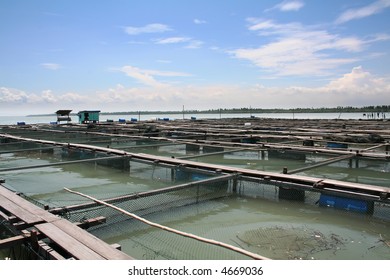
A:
63	116
88	116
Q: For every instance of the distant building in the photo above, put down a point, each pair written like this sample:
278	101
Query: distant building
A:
88	116
63	116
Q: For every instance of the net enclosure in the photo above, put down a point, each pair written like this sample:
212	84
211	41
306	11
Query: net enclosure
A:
238	193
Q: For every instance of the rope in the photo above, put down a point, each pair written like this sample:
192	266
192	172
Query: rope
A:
182	233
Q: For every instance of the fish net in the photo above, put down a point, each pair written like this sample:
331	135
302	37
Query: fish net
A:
195	206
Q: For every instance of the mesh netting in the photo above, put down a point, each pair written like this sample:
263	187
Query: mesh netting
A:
190	208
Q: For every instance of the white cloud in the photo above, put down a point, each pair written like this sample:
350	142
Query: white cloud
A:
51	66
287	6
299	50
359	81
199	21
164	61
191	43
358	87
11	95
173	40
150	28
366	11
194	44
15	101
148	77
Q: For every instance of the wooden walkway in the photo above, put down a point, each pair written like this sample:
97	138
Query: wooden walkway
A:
76	242
310	183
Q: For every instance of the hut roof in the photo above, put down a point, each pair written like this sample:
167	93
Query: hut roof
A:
63	112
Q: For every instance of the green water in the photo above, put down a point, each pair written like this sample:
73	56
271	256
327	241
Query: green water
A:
272	228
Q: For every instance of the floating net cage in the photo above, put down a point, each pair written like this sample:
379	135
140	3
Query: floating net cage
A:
299	226
272	218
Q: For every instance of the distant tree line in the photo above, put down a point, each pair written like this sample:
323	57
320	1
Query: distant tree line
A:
339	109
245	110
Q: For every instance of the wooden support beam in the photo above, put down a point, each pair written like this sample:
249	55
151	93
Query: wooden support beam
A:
145	194
69	243
12	241
47	252
91	222
213	154
322	163
59	163
26	150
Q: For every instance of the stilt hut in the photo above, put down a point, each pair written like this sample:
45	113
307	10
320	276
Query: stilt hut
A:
63	116
88	116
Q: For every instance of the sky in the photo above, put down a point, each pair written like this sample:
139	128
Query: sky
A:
148	55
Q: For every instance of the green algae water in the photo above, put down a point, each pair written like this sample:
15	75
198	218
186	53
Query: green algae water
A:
262	224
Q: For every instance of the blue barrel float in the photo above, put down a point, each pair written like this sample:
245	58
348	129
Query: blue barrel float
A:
349	204
335	145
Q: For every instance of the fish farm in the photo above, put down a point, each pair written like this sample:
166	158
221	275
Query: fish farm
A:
234	189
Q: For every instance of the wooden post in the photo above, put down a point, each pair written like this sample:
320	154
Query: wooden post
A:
235	185
34	239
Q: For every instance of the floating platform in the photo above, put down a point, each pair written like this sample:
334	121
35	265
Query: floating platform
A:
204	157
38	225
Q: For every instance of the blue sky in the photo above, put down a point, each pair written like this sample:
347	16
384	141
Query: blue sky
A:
127	55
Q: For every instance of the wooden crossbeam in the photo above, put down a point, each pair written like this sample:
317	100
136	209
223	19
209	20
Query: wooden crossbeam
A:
12	241
69	243
78	242
322	163
59	163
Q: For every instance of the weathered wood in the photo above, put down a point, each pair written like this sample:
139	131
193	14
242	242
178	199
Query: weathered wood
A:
47	252
213	153
68	243
74	240
305	180
5	216
91	222
97	245
12	241
21	208
18	211
322	163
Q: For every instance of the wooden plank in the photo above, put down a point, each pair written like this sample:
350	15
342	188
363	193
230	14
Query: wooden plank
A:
5	216
16	210
70	244
91	241
91	222
31	213
11	241
48	252
264	174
